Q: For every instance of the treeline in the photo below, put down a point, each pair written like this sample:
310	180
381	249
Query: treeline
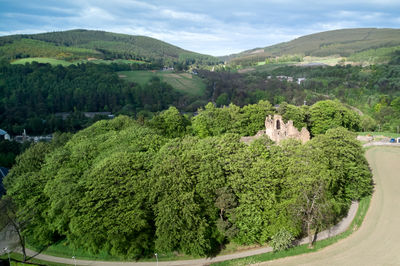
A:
9	150
373	89
82	44
32	95
226	87
120	187
248	120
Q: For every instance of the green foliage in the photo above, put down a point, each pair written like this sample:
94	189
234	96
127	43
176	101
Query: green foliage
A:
367	123
282	240
170	123
303	249
24	185
187	175
119	187
246	121
330	114
222	99
34	97
359	44
83	44
184	82
350	178
9	151
299	115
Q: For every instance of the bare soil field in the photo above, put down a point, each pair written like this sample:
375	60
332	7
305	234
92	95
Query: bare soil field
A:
377	242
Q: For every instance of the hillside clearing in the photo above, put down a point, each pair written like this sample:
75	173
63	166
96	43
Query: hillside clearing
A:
55	62
184	82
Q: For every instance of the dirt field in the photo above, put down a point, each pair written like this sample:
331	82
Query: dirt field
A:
377	242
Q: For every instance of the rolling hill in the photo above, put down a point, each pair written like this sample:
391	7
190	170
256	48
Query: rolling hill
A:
88	44
354	44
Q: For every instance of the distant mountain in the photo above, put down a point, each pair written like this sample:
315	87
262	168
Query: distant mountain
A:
345	43
89	44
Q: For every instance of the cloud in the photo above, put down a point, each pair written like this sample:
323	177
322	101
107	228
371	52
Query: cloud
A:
207	26
95	14
168	13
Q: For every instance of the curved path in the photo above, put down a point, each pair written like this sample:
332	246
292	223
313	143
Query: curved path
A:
381	160
377	242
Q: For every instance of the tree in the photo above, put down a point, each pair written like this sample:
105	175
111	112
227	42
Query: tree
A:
258	185
349	174
307	177
170	123
297	114
331	114
187	178
25	186
98	186
10	218
281	240
226	202
368	123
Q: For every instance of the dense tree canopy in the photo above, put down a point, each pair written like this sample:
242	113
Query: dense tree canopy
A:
120	187
35	96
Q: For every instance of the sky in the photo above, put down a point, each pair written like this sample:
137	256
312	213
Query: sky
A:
204	26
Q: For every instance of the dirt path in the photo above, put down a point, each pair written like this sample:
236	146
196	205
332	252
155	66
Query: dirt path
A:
377	242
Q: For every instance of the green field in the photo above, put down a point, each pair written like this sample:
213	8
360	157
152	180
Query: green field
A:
385	134
184	82
56	62
42	60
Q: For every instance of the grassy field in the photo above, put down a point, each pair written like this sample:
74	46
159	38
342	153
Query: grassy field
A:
329	60
56	62
385	134
44	60
184	82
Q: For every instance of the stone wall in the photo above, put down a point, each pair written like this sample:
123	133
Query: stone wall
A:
277	130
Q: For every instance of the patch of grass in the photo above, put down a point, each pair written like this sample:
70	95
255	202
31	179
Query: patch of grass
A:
302	249
55	62
16	259
385	134
184	82
63	250
43	60
329	60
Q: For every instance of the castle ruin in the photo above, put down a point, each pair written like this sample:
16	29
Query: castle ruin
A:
278	130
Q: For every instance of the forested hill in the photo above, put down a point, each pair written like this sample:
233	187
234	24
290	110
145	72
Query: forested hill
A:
345	42
84	44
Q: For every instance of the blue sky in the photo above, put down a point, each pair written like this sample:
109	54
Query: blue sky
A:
205	26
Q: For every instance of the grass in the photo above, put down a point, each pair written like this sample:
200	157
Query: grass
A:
329	60
385	134
184	82
16	259
62	62
44	60
303	249
63	250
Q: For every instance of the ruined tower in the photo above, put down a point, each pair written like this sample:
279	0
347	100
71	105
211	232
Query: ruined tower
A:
278	130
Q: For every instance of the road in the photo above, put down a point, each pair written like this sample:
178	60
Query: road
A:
377	242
